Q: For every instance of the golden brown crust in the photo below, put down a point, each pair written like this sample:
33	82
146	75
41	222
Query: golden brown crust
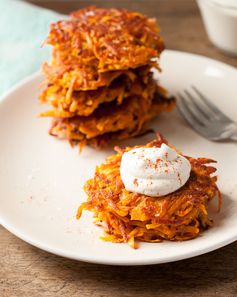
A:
181	215
96	45
109	39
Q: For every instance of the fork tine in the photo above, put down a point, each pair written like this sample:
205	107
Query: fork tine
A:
182	106
197	109
192	121
218	113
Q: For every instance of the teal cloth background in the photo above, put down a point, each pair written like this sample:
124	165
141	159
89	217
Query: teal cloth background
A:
23	28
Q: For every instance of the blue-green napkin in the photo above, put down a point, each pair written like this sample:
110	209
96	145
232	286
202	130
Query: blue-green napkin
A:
23	28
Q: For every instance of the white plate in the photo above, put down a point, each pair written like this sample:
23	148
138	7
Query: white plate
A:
41	178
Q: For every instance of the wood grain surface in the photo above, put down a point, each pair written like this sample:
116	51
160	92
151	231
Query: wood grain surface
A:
29	272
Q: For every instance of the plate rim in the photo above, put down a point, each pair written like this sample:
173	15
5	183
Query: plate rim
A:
103	260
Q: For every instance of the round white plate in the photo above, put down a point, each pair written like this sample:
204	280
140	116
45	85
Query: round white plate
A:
41	178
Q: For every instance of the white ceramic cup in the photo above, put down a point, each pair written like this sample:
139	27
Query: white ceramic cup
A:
221	24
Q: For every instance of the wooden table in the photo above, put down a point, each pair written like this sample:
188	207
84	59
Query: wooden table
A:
27	271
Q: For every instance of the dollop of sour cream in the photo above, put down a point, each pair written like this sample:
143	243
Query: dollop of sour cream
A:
154	171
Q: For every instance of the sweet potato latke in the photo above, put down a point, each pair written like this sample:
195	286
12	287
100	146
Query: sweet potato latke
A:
102	59
128	216
121	121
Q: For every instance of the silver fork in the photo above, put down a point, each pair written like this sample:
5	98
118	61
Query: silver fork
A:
204	117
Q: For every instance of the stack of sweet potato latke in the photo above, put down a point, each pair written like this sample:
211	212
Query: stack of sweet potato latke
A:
99	81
